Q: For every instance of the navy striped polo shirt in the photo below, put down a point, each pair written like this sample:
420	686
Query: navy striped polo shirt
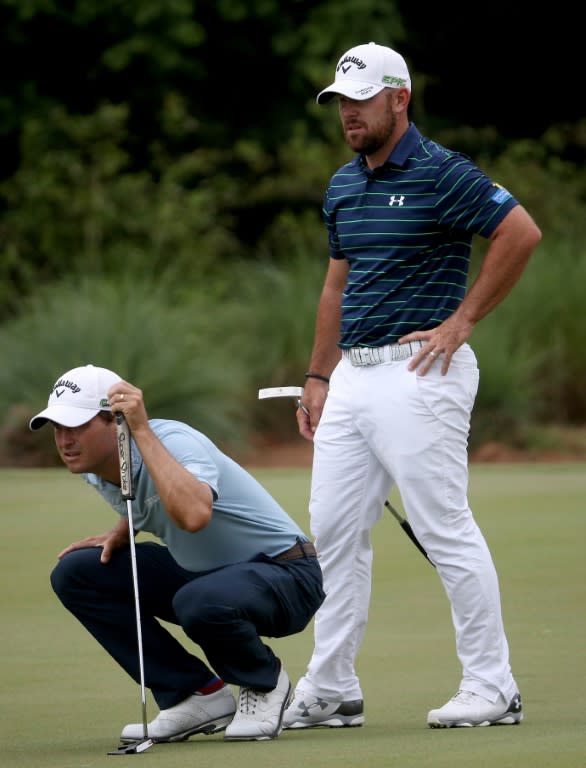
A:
406	230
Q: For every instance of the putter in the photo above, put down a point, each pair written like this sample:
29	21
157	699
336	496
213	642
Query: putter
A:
297	393
268	392
124	454
406	526
294	392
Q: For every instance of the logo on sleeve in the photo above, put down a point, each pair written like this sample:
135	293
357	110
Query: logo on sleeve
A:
500	195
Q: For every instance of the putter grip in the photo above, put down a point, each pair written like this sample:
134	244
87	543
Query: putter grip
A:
124	456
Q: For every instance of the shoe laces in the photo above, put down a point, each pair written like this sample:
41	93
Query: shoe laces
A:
249	700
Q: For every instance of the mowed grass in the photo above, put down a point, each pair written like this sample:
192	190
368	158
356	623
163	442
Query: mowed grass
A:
63	701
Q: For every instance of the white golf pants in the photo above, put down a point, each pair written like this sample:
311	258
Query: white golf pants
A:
382	425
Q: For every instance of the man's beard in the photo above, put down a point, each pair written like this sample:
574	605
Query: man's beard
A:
369	143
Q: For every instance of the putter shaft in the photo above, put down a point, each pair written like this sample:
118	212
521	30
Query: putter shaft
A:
127	490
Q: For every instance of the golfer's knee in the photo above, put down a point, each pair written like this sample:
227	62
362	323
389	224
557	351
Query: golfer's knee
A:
71	571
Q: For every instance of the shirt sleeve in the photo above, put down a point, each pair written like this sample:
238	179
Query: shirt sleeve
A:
468	200
192	454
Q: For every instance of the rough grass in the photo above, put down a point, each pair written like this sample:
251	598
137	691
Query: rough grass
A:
63	701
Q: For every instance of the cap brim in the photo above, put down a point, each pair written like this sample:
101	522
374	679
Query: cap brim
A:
352	89
63	415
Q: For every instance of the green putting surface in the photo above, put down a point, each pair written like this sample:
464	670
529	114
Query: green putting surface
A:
64	702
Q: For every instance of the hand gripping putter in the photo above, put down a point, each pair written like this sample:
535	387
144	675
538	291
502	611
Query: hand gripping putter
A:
297	393
124	454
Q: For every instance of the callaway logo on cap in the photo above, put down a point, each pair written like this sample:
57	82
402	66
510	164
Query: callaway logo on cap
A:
365	70
77	396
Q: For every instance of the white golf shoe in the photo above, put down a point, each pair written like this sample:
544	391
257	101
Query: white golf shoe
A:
467	710
309	711
196	714
260	715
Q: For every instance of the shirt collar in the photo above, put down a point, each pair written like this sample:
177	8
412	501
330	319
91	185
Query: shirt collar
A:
401	151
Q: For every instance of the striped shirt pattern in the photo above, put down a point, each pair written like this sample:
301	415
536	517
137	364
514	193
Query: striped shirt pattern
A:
406	231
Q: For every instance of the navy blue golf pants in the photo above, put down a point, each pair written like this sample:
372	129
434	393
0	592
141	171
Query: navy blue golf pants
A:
224	611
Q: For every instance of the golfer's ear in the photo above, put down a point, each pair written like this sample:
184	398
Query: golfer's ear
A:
402	97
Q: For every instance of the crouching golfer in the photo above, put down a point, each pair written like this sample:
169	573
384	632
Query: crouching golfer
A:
232	566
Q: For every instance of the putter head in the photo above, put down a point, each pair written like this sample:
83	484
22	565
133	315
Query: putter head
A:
133	747
268	392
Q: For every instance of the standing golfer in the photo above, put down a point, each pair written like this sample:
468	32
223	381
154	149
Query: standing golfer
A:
234	566
392	382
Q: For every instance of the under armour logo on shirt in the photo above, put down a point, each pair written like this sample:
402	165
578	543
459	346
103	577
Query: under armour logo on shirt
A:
396	200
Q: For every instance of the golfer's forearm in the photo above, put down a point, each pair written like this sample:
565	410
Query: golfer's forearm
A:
187	501
493	284
326	353
510	248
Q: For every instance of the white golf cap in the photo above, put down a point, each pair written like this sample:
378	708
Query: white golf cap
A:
365	70
77	396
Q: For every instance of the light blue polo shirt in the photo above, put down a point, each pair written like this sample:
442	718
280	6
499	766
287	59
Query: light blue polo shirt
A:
246	519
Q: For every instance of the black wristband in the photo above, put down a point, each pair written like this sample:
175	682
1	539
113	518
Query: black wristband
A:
310	375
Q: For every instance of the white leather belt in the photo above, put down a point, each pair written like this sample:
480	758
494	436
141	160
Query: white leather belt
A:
391	353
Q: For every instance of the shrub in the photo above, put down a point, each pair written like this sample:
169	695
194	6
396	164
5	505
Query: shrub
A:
173	352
